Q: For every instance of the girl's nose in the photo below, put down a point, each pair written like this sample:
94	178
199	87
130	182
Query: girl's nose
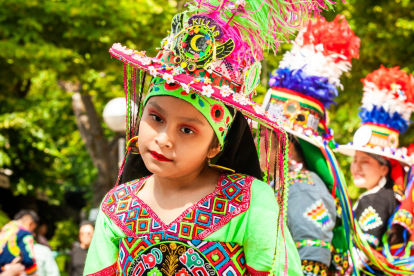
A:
163	140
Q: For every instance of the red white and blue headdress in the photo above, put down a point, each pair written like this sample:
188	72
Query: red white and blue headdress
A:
387	105
308	77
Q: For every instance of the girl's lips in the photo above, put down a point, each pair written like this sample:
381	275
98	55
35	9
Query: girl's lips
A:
159	157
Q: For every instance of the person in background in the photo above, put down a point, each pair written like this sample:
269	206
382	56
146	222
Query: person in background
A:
41	232
79	251
16	239
378	163
46	264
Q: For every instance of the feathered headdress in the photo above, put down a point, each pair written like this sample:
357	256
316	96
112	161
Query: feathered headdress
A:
388	98
309	75
387	105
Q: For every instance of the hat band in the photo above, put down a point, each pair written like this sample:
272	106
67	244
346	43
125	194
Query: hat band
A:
382	136
297	111
220	73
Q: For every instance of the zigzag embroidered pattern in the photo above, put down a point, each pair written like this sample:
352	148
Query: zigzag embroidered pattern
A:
318	214
369	219
136	219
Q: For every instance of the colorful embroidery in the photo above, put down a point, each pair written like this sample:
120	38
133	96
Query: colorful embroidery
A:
8	233
369	219
315	243
371	239
404	218
301	177
175	258
136	219
340	261
311	268
318	214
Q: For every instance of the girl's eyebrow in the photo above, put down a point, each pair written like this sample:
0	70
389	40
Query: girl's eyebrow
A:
156	106
192	120
185	119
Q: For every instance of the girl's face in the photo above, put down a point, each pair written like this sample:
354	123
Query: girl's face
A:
367	171
174	137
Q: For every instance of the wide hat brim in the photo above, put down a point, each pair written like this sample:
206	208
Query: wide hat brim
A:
351	149
235	100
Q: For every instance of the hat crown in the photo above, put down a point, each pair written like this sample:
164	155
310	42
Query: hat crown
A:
388	99
309	73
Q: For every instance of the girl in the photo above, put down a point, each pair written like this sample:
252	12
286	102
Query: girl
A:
378	164
192	202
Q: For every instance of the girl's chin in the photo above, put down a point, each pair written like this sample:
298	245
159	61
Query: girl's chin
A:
360	182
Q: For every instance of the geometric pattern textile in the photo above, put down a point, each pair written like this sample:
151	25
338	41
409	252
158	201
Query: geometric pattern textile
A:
369	219
318	214
178	249
195	257
136	218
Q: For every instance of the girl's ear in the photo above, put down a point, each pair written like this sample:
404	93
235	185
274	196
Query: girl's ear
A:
212	152
384	170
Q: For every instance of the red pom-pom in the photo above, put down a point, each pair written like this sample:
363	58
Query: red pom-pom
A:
393	80
336	37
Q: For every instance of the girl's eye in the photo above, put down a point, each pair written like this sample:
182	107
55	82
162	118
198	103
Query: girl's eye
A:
156	118
186	130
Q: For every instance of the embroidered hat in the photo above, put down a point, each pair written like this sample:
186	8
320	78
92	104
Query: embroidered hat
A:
306	82
387	104
214	49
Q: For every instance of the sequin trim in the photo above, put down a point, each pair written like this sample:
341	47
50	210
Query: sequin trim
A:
369	219
318	214
405	219
313	243
301	177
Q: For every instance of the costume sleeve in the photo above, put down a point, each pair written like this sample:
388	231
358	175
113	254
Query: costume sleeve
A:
103	252
311	217
260	238
25	243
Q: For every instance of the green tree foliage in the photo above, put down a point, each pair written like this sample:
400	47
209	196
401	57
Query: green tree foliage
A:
43	42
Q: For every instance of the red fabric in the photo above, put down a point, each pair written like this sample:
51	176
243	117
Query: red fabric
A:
255	272
109	271
397	174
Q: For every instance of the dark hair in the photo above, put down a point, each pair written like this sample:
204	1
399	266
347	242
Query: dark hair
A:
87	222
27	212
383	161
296	144
215	142
390	182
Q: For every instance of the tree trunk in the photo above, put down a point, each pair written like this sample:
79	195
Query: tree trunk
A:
103	157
